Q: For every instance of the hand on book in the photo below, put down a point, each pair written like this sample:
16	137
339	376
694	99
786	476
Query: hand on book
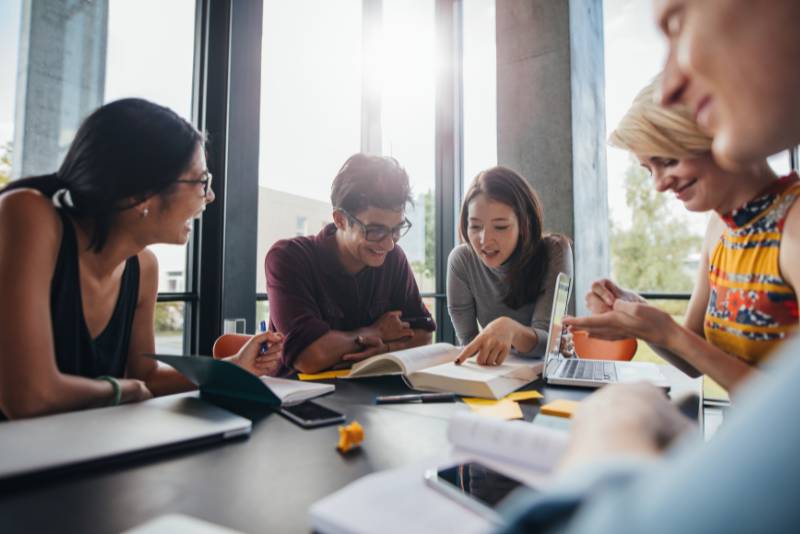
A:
370	345
390	328
492	345
251	358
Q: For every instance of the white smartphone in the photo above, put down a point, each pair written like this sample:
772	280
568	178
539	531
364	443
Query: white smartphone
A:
475	486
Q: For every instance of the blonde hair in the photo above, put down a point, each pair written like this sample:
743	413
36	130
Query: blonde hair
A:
650	129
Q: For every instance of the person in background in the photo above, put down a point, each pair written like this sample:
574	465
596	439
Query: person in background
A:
349	293
502	276
734	63
79	285
743	303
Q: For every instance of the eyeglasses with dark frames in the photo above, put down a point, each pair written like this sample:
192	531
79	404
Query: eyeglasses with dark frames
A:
378	232
206	181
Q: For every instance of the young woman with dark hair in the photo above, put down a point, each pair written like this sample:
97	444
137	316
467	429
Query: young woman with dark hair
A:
503	275
79	285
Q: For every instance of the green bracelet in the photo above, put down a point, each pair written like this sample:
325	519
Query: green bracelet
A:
115	386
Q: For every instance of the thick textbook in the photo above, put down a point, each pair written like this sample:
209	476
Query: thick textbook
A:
431	368
399	501
218	377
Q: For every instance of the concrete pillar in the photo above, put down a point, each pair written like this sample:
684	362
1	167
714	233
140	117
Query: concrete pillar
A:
551	119
60	78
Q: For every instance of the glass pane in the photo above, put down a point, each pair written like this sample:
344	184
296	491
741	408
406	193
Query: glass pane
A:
430	303
262	313
169	327
781	163
310	114
10	16
479	71
655	241
408	116
94	52
158	68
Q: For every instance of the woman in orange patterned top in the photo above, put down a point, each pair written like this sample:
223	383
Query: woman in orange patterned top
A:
744	301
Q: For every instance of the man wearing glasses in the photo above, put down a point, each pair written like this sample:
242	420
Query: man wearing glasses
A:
348	293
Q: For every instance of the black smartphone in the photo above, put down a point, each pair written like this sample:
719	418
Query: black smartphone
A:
418	322
310	414
475	486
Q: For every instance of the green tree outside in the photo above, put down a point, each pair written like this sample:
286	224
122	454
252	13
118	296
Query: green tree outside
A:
5	164
651	254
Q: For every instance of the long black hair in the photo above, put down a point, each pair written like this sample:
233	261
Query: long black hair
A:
123	153
529	259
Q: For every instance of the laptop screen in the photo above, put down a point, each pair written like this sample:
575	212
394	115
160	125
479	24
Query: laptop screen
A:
560	302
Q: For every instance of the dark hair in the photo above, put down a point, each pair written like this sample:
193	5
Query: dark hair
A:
364	181
123	153
529	259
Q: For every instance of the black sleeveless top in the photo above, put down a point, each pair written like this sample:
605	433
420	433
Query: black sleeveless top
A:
76	352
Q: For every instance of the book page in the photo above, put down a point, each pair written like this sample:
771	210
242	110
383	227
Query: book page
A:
294	391
406	361
426	356
516	442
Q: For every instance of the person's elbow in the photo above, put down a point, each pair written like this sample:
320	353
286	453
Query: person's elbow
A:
310	361
25	404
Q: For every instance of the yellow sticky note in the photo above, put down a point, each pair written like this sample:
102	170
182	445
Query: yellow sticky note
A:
560	408
502	409
524	395
325	375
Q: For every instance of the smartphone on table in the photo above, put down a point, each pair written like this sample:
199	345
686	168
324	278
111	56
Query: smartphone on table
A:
475	486
310	415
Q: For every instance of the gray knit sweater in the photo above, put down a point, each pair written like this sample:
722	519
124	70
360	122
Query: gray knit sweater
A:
475	293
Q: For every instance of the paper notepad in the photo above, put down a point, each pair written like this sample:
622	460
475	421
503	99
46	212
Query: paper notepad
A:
499	409
560	408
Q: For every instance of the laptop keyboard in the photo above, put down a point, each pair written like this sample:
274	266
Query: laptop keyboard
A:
590	370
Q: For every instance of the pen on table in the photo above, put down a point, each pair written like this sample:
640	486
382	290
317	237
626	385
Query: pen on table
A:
263	349
416	397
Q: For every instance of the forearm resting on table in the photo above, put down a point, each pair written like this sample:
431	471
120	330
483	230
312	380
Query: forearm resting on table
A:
59	393
163	380
328	350
420	337
727	370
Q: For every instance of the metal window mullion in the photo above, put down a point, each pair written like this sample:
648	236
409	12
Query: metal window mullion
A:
449	146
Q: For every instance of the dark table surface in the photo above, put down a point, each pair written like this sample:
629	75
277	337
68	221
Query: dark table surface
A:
264	483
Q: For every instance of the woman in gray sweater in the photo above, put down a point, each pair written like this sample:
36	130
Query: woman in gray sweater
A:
502	276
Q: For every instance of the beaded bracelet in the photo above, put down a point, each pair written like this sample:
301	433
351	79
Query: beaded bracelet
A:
115	386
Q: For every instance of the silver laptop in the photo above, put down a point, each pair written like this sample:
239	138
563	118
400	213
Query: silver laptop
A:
64	442
559	370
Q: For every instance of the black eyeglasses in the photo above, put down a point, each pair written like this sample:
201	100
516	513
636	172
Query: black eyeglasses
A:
378	232
205	181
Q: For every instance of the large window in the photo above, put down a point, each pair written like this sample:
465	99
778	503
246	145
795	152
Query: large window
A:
362	79
77	56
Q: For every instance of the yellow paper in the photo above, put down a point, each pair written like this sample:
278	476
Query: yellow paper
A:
524	395
324	376
560	408
502	409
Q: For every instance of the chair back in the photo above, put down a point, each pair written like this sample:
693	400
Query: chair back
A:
600	349
228	345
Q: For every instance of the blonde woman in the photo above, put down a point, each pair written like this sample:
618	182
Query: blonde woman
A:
744	301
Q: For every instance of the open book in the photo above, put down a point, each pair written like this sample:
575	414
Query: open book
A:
225	379
431	368
399	501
